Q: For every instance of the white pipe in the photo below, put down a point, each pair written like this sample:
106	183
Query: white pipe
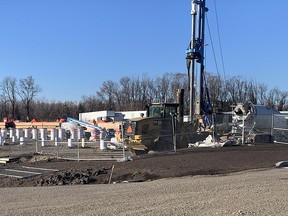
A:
70	143
22	141
74	134
19	133
4	133
61	133
43	143
12	132
1	140
52	134
83	143
35	134
43	133
27	133
14	139
80	133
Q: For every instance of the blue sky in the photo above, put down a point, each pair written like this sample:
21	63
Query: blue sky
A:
70	47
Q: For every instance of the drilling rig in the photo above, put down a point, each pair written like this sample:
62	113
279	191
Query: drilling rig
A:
164	129
200	103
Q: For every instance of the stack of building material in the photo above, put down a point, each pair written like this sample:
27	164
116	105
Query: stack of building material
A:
5	160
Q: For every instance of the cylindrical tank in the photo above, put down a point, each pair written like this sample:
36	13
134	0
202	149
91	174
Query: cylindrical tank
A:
56	141
35	134
14	139
27	133
12	132
19	133
22	141
80	133
53	134
43	143
4	133
71	144
102	145
43	134
61	133
74	134
83	142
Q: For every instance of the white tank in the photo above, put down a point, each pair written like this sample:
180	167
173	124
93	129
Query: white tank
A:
27	133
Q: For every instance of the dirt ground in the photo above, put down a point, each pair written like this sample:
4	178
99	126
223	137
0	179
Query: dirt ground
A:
186	162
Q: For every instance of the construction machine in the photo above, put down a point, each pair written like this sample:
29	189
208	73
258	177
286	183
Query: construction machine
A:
164	128
153	132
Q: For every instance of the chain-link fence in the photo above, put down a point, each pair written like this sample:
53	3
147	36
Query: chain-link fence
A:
158	134
57	143
280	128
170	134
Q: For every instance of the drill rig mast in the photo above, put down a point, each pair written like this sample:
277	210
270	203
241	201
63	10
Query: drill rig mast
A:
195	60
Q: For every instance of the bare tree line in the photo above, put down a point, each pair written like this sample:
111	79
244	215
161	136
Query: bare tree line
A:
227	92
19	97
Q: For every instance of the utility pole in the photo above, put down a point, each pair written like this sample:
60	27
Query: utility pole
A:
195	58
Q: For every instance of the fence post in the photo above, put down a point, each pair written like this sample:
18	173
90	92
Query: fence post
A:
123	140
243	131
57	146
272	126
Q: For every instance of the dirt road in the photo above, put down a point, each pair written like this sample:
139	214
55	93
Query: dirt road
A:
248	193
238	180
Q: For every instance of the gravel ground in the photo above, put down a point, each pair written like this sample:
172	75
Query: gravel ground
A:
261	192
239	180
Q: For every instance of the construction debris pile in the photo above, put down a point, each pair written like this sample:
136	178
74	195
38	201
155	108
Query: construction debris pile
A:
213	142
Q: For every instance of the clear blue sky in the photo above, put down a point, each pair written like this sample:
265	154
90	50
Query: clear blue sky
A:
71	47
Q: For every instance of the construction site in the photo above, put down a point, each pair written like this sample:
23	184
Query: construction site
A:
137	138
161	160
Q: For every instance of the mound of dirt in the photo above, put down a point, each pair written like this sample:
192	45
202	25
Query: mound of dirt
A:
72	177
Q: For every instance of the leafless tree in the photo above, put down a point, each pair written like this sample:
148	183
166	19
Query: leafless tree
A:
4	106
125	95
277	99
91	103
9	91
282	100
107	94
134	93
262	93
231	90
146	88
28	91
216	89
251	91
162	85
